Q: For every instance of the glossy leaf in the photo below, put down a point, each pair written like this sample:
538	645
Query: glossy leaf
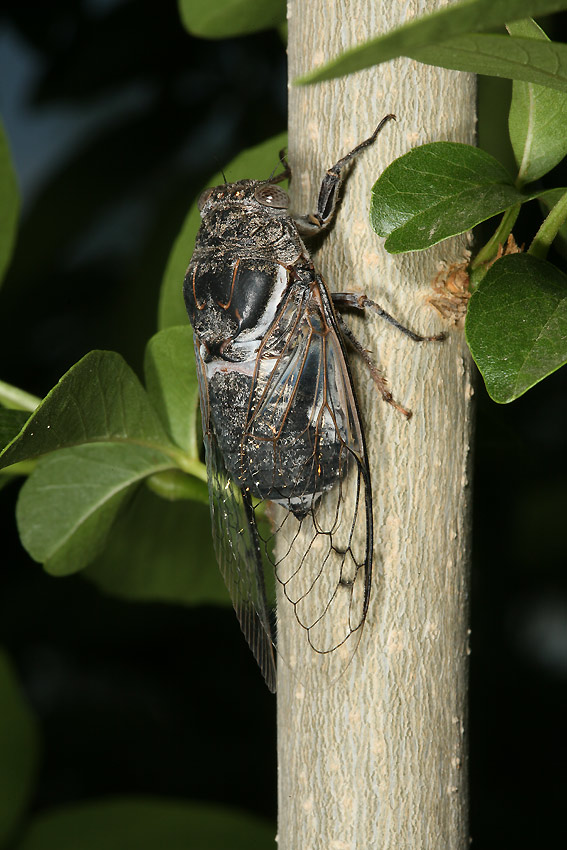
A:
172	385
537	119
147	823
160	551
256	163
228	18
9	204
18	751
516	325
543	63
98	399
436	191
430	31
66	508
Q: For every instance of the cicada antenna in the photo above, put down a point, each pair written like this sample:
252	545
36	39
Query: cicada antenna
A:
285	174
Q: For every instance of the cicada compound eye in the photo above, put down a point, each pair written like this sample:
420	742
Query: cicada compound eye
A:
204	197
271	196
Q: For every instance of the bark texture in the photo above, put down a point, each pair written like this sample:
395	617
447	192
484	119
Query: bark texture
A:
378	760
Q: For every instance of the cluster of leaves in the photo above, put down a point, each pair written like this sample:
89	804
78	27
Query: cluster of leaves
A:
517	317
99	434
87	449
115	487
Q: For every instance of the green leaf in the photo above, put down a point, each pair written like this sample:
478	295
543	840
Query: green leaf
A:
9	204
228	18
160	551
19	745
11	423
436	191
171	381
98	399
537	119
147	823
430	31
516	325
543	63
67	506
256	163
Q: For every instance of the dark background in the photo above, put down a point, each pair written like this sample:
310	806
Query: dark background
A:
116	117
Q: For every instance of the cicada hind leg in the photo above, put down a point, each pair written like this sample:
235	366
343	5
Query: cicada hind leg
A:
357	301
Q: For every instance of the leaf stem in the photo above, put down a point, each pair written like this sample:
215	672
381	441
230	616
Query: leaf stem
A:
549	229
499	237
188	465
23	467
16	398
172	484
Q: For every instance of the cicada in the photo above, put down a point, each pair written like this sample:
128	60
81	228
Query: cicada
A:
281	423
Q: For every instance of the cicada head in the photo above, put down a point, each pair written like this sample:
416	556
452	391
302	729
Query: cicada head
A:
249	195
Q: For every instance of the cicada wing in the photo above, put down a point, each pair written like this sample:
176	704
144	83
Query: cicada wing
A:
236	544
307	412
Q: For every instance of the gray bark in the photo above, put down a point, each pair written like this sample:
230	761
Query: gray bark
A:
378	759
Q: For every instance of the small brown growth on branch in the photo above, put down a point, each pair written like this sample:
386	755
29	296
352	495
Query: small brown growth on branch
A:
451	284
451	288
510	247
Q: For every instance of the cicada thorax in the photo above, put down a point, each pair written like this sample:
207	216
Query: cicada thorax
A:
238	273
232	305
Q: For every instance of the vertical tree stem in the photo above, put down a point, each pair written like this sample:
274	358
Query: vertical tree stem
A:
378	760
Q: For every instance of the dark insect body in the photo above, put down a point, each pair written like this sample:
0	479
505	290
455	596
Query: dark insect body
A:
280	417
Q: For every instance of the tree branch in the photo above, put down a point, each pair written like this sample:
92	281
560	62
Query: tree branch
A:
378	759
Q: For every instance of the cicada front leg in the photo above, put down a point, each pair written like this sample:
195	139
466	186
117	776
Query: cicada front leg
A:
313	223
